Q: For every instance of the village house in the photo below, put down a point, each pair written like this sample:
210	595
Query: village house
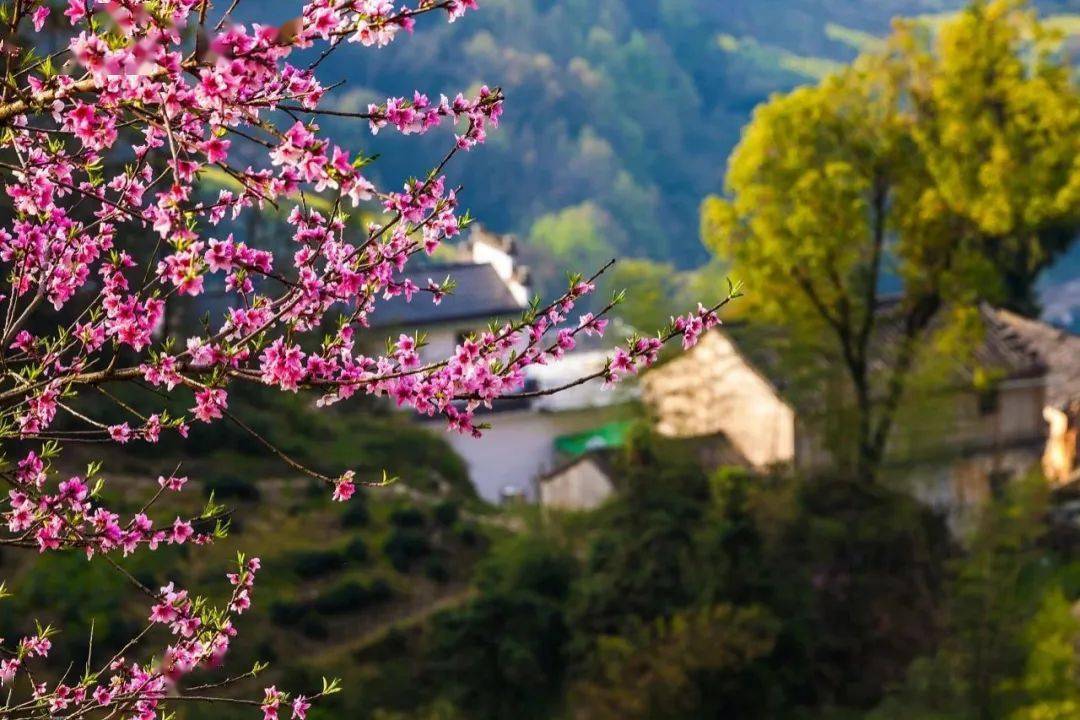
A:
951	447
1060	351
591	476
490	286
584	483
531	436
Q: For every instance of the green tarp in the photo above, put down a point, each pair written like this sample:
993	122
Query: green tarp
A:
606	436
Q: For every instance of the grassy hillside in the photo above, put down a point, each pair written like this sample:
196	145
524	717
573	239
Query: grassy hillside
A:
334	575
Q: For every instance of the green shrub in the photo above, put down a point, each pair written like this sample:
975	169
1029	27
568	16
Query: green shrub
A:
265	651
283	612
380	591
317	563
469	535
342	598
350	596
313	627
231	487
357	551
356	513
404	546
445	513
407	517
435	569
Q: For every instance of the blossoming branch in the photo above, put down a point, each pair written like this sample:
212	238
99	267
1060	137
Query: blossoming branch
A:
106	142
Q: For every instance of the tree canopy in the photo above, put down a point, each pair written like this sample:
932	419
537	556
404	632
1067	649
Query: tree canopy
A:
942	169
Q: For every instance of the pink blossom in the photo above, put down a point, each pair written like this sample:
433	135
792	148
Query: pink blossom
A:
271	702
172	482
344	488
181	532
39	17
114	152
8	668
209	404
76	11
120	433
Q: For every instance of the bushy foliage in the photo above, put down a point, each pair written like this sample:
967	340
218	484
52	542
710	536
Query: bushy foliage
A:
941	167
681	666
317	563
404	546
231	487
1008	649
512	635
695	595
445	513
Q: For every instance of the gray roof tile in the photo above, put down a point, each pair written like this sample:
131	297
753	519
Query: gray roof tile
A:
480	294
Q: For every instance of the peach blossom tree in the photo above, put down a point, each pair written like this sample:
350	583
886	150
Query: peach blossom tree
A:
105	140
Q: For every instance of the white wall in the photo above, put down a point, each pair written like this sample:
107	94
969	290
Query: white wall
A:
519	447
483	252
441	342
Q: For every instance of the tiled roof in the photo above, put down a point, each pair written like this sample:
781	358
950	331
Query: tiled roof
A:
480	294
1057	349
604	459
1012	346
1008	349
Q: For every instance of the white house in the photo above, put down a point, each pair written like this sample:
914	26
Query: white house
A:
525	440
521	445
490	286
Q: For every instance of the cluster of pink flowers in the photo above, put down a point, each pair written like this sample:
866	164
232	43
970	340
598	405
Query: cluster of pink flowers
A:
369	22
274	699
29	647
692	325
65	514
420	115
201	637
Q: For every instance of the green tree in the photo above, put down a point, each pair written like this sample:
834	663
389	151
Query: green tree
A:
574	237
949	161
857	574
686	666
650	292
639	565
502	654
1008	648
1053	665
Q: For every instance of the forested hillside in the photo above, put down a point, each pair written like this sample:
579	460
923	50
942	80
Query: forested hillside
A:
621	115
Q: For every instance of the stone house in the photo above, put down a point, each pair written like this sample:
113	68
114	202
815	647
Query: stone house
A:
584	483
1060	351
953	444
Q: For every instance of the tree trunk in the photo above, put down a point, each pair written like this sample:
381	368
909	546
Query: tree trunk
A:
867	458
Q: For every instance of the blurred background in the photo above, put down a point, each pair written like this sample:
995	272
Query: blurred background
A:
856	499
